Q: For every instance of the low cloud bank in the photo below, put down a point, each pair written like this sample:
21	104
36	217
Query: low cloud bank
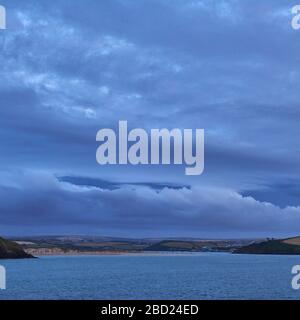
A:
38	203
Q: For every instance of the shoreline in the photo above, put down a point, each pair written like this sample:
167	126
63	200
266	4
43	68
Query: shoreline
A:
117	253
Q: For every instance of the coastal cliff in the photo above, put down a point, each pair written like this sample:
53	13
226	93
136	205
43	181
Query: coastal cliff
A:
12	250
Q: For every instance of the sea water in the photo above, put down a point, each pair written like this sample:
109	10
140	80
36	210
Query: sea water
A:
151	276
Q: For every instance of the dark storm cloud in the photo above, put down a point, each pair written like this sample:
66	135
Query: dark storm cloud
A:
109	185
69	69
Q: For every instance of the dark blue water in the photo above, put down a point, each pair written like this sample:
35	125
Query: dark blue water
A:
190	276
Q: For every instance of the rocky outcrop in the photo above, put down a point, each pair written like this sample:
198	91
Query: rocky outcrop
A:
12	250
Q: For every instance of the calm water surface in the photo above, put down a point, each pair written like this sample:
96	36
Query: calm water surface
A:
181	276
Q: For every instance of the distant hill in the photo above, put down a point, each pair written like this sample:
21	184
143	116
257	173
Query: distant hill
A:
194	246
12	250
175	245
281	246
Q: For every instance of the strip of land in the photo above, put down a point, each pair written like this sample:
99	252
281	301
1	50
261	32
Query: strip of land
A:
27	247
79	245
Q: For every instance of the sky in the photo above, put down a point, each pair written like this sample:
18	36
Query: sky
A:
70	68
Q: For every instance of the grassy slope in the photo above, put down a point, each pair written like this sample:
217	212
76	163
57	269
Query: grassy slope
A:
285	246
